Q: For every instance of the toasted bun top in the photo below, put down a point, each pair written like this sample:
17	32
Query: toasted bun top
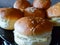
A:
10	13
32	26
54	11
21	4
34	12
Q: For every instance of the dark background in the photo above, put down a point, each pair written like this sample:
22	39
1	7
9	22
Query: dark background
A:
9	3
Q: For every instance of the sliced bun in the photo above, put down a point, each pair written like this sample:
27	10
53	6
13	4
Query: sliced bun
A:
32	31
54	13
8	16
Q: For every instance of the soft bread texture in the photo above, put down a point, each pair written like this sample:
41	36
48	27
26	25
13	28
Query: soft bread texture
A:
43	4
54	13
32	31
8	16
56	21
32	26
35	40
34	12
21	4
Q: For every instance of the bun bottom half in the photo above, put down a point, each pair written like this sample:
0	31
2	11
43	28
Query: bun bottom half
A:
56	21
43	39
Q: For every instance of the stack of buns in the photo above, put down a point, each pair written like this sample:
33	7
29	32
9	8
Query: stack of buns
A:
31	27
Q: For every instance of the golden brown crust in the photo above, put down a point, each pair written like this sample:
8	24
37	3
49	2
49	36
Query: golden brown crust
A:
34	12
32	26
54	11
8	17
11	13
44	4
21	4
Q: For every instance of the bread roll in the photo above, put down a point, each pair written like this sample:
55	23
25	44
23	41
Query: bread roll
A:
32	31
21	4
8	16
44	4
54	13
34	12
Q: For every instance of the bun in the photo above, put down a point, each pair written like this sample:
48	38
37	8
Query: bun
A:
43	4
8	16
32	26
30	30
34	12
54	13
21	4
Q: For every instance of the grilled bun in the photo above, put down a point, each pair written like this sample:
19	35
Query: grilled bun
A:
34	12
8	16
28	31
21	4
54	13
44	4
